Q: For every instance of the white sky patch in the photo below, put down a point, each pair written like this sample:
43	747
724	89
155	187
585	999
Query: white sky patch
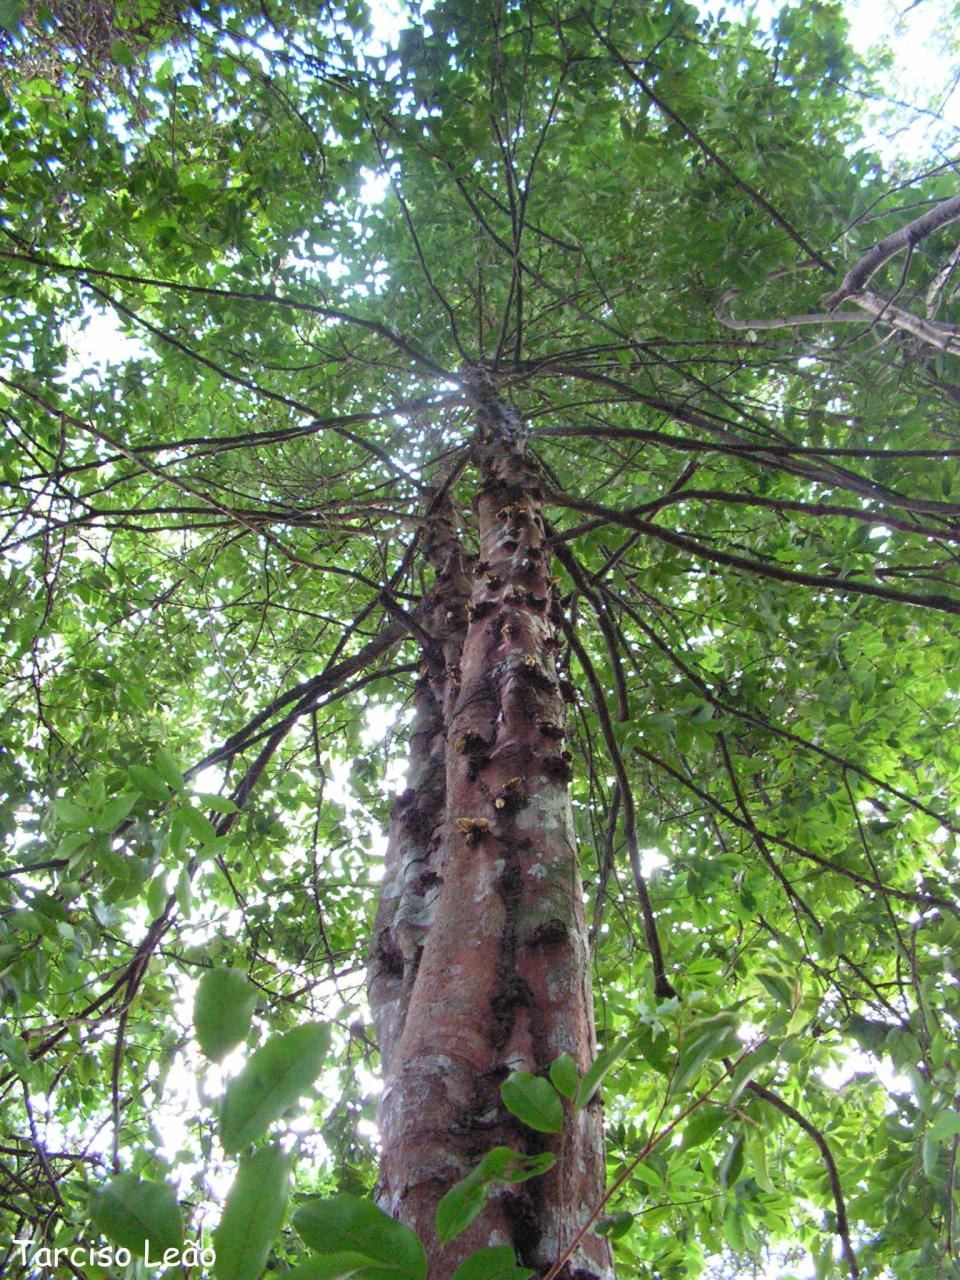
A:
388	21
209	780
380	719
97	343
652	860
856	1062
923	71
374	186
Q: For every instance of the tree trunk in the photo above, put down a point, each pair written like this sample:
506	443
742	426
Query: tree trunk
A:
480	963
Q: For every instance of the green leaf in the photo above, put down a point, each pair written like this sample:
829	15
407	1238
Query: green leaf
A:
732	1229
132	1213
497	1262
497	1162
755	1151
354	1225
732	1164
121	54
275	1077
466	1198
868	1033
12	13
199	824
222	1011
655	1048
461	1204
156	895
703	1042
533	1100
179	834
15	1051
148	782
72	815
945	1126
503	1164
594	1075
702	1125
523	1167
930	1157
48	906
70	844
166	766
616	1224
749	1066
252	1215
778	987
184	891
649	1174
110	817
339	1266
218	803
564	1075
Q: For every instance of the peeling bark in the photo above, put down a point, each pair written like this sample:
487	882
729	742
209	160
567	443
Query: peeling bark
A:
481	961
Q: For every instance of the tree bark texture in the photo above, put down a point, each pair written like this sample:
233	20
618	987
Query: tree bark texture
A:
480	962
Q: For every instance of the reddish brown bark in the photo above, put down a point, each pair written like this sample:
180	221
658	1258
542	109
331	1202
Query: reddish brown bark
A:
412	866
481	964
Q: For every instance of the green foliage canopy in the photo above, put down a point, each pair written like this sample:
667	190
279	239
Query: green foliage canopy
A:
211	537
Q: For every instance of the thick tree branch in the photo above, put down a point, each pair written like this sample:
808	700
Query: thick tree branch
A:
862	272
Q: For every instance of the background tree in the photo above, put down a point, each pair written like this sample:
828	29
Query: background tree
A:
544	361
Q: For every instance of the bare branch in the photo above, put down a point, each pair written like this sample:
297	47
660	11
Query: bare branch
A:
843	1228
863	271
782	322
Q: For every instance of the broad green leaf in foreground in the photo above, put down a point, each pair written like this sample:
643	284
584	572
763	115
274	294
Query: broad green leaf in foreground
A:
340	1266
357	1229
132	1211
946	1125
222	1010
564	1075
275	1077
498	1262
252	1215
466	1198
595	1073
713	1039
533	1100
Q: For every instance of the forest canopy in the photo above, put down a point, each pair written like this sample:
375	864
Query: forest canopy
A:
589	352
